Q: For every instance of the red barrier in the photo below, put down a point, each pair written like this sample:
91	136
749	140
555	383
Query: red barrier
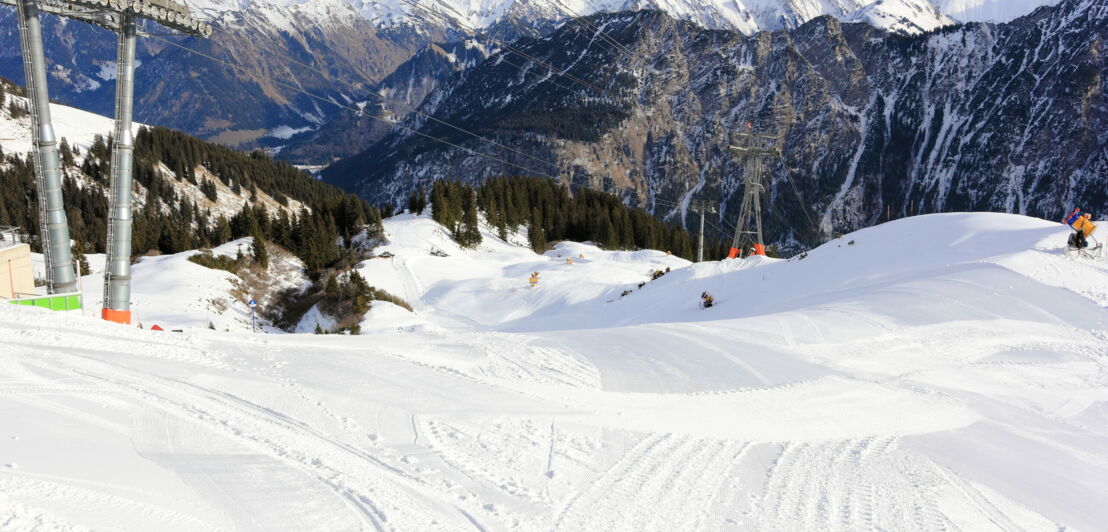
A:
116	316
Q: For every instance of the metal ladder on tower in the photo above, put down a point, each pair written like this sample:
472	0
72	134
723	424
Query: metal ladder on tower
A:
112	184
40	185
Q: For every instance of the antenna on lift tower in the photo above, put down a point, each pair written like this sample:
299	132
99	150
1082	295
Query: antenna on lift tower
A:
119	16
752	147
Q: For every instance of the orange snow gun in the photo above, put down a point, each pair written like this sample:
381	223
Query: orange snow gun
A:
1085	225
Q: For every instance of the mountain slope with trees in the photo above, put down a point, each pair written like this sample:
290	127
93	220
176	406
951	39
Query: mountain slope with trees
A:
549	212
188	194
1002	117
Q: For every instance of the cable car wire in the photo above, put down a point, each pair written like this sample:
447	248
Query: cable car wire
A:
347	107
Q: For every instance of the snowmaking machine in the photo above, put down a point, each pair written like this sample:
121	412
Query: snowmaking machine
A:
1081	242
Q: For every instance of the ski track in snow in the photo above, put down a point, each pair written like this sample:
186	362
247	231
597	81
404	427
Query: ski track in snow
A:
883	398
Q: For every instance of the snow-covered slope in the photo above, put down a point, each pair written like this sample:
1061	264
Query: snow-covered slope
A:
174	293
938	372
989	10
80	129
909	17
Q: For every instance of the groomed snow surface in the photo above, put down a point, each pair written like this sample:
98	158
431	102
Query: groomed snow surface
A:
938	372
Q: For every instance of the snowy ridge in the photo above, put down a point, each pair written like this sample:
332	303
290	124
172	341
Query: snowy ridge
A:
747	16
864	385
78	127
909	17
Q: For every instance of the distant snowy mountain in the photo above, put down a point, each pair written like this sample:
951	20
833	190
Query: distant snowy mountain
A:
909	17
341	50
1007	117
747	16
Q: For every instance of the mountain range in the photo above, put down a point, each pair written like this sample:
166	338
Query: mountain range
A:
348	50
874	124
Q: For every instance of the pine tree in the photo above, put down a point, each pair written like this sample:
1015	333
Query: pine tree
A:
331	286
440	211
470	232
66	154
417	201
261	255
16	111
535	235
318	329
222	232
80	259
359	292
209	190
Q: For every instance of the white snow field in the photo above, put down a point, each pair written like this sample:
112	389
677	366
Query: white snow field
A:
943	372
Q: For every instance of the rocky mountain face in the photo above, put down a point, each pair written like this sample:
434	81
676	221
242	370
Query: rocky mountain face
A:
342	49
327	49
874	125
347	133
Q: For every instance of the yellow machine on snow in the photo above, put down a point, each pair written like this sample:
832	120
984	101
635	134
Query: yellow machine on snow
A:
1081	242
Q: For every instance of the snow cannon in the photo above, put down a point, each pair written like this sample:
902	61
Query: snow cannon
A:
1081	242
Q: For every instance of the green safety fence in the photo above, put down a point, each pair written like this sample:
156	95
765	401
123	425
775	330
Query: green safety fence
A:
52	302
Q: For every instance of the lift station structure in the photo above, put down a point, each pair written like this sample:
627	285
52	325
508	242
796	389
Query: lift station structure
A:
752	147
120	16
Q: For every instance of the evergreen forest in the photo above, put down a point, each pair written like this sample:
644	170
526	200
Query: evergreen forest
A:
168	222
550	212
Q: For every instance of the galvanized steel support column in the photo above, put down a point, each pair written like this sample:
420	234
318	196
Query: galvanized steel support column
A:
117	273
55	229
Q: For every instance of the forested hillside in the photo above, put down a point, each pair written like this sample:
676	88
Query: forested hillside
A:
188	194
549	212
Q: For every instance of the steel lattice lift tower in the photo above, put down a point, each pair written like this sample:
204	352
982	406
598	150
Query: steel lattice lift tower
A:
121	17
752	147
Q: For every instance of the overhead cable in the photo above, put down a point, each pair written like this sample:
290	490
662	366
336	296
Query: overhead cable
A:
347	107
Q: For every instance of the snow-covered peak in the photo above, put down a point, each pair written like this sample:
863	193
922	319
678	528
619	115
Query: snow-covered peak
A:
910	17
748	16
